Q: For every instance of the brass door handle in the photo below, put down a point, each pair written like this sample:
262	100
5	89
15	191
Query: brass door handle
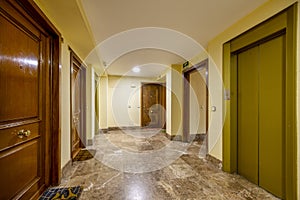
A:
23	133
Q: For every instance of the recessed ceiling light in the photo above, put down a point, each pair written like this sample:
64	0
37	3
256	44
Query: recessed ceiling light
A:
136	69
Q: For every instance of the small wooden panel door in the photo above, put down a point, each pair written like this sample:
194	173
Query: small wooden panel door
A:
77	105
76	126
24	111
153	105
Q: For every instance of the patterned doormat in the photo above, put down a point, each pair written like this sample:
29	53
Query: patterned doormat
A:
70	193
85	154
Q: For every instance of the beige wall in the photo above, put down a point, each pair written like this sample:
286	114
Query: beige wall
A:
65	104
103	101
97	103
124	100
168	101
90	109
174	102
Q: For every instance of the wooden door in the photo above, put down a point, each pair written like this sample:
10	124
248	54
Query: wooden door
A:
198	101
261	114
24	106
77	105
153	105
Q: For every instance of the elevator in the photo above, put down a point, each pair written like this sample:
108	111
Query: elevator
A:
261	113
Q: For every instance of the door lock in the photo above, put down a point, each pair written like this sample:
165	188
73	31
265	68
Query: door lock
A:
23	133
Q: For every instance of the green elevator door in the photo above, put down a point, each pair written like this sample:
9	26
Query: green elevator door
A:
261	123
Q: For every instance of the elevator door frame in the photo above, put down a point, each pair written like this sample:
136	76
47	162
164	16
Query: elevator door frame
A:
284	21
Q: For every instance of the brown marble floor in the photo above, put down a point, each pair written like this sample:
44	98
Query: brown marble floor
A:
143	164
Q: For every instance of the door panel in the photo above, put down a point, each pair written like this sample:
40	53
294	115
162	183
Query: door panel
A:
23	110
271	116
23	173
76	110
9	136
18	72
248	114
153	107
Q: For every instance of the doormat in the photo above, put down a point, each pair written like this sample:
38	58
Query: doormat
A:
70	193
85	154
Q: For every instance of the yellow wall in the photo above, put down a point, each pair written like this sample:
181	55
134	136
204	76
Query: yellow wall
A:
174	102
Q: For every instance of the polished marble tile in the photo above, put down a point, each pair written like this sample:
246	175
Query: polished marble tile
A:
143	164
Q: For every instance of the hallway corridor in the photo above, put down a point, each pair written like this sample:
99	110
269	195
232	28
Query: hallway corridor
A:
136	172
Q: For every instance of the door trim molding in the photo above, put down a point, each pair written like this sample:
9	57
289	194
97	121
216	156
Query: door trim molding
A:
284	21
186	99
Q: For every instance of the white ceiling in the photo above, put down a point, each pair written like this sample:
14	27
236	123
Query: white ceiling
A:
148	37
199	19
119	28
154	62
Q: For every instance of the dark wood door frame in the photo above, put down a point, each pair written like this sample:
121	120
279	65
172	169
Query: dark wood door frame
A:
161	99
186	99
75	60
29	10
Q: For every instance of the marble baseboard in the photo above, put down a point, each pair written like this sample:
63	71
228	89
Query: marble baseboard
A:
216	162
65	171
123	127
103	131
173	137
195	137
198	136
90	142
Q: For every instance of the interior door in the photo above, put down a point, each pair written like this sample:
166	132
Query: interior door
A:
261	126
76	107
153	107
198	101
24	112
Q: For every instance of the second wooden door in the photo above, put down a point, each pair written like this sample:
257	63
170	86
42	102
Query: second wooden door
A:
153	105
77	105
